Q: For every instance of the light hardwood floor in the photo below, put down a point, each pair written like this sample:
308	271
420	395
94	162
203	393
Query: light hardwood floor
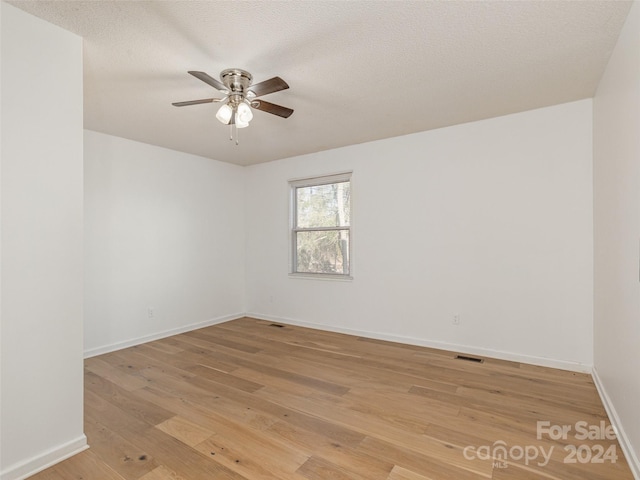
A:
249	400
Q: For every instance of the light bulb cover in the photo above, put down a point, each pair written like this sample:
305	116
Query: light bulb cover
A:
244	115
224	114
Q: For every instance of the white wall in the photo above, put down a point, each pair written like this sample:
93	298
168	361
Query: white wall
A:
491	220
616	155
163	230
41	257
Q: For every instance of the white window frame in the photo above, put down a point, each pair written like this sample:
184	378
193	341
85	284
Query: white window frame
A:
293	228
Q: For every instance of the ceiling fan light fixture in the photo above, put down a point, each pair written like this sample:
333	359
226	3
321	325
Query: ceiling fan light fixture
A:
241	121
244	114
224	114
240	92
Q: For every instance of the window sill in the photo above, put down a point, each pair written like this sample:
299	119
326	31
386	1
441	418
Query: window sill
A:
322	276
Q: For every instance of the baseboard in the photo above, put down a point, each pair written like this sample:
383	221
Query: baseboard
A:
92	352
625	444
45	460
484	352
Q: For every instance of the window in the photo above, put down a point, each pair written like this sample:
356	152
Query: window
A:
321	226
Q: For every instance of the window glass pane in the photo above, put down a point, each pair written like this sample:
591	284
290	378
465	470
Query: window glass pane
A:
323	252
323	205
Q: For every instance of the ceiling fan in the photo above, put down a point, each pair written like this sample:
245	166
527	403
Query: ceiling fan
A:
240	95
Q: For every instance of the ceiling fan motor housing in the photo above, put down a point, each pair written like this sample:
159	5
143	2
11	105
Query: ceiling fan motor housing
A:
238	82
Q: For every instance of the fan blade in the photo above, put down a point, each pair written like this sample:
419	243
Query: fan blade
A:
268	107
274	84
209	80
196	102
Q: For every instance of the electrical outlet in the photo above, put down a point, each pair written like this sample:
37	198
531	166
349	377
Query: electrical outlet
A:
456	320
150	312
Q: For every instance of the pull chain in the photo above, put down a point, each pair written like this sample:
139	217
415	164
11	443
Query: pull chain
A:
232	127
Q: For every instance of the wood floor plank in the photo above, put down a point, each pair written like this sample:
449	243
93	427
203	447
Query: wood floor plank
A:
417	462
244	400
245	464
231	379
87	465
162	473
241	446
102	368
184	430
121	455
166	449
204	334
251	364
130	403
350	459
133	362
165	345
299	418
385	430
307	439
399	473
50	474
320	469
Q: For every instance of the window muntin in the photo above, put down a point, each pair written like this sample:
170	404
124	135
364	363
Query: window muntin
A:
321	226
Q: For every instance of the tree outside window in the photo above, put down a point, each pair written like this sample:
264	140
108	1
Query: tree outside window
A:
321	226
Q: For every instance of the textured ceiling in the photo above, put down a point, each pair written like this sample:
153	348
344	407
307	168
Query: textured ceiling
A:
358	70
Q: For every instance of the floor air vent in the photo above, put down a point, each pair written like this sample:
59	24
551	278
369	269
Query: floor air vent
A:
469	359
277	325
